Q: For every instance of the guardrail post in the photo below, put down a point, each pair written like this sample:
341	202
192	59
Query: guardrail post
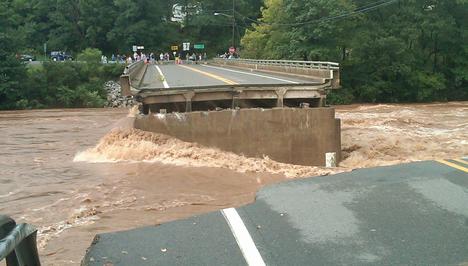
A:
18	243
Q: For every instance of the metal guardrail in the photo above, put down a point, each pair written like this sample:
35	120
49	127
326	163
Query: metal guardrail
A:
286	63
128	69
18	243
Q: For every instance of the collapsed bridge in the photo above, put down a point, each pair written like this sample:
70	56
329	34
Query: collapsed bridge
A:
272	108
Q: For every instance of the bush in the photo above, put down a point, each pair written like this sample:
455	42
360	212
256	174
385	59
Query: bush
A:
90	55
341	96
111	71
67	84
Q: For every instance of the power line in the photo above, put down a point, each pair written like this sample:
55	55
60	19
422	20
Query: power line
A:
362	9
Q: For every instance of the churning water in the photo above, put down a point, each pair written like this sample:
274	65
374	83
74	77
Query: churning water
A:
76	173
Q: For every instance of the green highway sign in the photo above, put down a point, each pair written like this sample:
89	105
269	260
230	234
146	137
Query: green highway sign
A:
199	46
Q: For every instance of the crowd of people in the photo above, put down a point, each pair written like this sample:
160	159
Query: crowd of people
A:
228	55
153	58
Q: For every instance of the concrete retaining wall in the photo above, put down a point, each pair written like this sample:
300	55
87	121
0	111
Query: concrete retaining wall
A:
290	135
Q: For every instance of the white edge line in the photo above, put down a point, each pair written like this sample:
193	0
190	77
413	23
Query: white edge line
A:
166	85
244	240
247	73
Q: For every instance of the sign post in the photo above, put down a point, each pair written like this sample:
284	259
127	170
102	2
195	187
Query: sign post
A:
45	51
174	47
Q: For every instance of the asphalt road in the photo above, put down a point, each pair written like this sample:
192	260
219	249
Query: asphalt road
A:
189	75
409	214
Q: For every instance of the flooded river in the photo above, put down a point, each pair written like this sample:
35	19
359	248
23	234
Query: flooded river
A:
76	173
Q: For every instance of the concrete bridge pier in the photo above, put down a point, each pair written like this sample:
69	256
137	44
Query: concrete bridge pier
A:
280	93
188	101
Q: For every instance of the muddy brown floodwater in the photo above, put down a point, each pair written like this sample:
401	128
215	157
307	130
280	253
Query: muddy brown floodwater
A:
76	173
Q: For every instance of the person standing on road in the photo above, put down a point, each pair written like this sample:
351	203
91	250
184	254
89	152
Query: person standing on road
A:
129	60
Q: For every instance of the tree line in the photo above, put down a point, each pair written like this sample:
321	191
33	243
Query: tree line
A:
114	26
389	50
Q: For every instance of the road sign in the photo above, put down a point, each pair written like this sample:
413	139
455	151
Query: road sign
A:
199	46
134	48
186	46
140	47
174	47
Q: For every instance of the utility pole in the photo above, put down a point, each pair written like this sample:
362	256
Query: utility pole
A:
233	23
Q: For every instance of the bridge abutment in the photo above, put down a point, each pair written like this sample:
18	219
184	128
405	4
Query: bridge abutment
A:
291	135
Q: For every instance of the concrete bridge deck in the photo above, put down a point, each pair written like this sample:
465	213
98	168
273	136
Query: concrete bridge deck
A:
201	87
409	214
199	75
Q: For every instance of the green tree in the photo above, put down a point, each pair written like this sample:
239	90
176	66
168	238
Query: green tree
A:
12	71
389	50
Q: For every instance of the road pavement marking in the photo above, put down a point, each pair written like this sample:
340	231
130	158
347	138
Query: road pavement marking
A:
228	81
252	74
461	168
243	238
166	85
461	161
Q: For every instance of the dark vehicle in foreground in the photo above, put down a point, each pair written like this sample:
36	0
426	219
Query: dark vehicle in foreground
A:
60	56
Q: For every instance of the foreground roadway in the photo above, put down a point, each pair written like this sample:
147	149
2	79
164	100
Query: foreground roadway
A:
187	75
409	214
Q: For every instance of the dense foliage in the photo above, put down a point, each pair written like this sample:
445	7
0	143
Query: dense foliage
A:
114	26
389	50
64	84
401	50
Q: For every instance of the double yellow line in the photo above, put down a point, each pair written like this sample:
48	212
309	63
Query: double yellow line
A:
211	75
456	166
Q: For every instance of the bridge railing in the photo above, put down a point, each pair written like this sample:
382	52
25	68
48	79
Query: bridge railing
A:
289	63
326	72
132	77
17	243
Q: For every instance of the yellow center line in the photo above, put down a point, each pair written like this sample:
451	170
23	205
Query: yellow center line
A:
461	161
461	168
228	81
